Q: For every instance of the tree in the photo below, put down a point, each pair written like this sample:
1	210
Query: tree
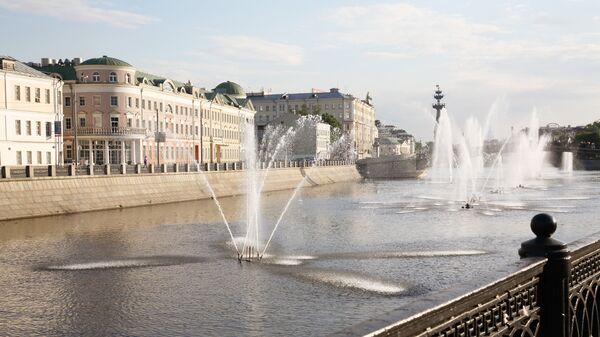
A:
329	119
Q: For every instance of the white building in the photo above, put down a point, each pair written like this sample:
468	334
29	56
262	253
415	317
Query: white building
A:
29	107
356	116
311	140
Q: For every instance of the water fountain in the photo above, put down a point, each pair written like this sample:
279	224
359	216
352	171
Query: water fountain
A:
459	158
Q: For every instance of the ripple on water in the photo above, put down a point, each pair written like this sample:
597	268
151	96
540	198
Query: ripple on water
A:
135	262
351	280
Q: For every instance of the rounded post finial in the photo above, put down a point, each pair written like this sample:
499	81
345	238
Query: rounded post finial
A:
543	225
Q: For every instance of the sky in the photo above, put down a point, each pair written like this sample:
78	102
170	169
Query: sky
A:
496	61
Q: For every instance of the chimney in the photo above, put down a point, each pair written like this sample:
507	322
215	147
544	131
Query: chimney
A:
334	90
45	61
76	61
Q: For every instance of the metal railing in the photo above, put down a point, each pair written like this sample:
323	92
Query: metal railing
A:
551	292
31	171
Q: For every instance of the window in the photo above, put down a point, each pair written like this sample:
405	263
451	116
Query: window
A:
47	96
69	151
37	95
29	157
114	122
196	112
129	122
82	121
28	127
129	102
97	120
161	106
19	158
39	157
96	77
143	104
97	100
17	92
18	127
48	129
81	101
127	78
28	94
177	109
137	102
112	77
196	130
114	101
48	158
267	108
155	105
38	128
67	101
68	123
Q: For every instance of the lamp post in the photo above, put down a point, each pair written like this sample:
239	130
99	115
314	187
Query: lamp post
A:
157	140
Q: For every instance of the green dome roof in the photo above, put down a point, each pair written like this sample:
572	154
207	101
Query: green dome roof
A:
107	61
231	88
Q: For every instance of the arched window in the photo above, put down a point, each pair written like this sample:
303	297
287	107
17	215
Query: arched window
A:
169	108
96	77
128	78
112	77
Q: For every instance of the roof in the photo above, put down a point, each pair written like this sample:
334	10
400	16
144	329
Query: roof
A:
67	72
298	96
107	61
231	88
23	68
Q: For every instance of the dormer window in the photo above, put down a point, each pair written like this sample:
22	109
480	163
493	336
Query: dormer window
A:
112	77
128	78
96	77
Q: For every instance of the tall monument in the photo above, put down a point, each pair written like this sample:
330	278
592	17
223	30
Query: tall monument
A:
438	106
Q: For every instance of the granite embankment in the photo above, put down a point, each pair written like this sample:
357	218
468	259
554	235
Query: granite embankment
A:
32	197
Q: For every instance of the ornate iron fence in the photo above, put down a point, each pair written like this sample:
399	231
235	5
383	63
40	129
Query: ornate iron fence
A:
551	293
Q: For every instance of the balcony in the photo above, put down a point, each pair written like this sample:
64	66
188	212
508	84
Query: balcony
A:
117	131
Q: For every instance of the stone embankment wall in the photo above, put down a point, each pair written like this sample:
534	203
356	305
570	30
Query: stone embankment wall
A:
22	198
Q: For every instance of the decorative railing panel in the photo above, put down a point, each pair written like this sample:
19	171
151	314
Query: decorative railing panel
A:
584	285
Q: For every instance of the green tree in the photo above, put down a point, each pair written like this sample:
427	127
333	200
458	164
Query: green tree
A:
329	119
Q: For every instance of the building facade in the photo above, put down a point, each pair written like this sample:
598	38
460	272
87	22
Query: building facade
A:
311	140
117	114
394	141
356	116
29	109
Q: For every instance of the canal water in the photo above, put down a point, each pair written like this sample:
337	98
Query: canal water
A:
343	253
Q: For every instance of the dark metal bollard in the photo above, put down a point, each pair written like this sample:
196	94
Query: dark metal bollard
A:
29	171
71	170
90	170
175	167
5	172
138	168
150	168
51	171
123	169
163	168
106	169
553	288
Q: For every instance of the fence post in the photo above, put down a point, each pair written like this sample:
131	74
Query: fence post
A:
150	168
71	170
106	169
29	171
90	170
123	169
176	167
51	171
138	168
553	288
5	172
163	168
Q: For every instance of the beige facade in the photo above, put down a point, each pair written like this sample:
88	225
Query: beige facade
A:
113	113
29	108
355	115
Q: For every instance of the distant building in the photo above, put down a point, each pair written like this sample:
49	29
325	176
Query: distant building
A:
113	113
29	107
356	116
393	141
311	141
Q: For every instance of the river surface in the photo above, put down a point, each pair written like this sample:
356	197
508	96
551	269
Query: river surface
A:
342	254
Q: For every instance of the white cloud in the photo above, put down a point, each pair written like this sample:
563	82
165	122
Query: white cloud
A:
405	28
78	10
247	48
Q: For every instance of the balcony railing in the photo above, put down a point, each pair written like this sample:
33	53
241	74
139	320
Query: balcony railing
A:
117	131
